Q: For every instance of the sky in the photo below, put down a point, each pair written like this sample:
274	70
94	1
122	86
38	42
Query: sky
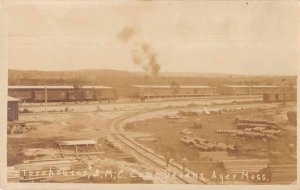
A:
236	37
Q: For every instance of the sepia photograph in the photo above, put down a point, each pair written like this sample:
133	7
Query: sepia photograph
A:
149	92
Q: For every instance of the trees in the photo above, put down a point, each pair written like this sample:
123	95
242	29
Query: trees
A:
174	88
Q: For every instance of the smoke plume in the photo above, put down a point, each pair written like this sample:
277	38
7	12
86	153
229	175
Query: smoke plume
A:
142	53
127	34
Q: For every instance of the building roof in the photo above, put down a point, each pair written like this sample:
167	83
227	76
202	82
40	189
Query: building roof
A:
40	87
96	87
169	86
12	99
248	86
56	87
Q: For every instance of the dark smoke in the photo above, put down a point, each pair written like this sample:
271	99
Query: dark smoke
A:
127	34
141	53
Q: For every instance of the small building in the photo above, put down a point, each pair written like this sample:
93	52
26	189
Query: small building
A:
12	108
171	91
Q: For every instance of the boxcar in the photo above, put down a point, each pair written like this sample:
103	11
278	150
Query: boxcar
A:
51	96
22	95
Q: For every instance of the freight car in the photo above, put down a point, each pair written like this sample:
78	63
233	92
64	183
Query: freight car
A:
26	96
89	95
62	93
52	96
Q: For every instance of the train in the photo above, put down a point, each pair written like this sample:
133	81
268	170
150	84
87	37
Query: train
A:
62	93
143	92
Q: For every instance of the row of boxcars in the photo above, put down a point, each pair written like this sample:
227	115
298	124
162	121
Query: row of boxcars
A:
61	93
142	92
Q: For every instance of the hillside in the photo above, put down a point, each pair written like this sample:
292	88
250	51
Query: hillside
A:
116	78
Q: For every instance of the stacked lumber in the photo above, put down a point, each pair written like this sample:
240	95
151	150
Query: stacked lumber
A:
254	125
228	131
243	123
256	135
255	120
270	134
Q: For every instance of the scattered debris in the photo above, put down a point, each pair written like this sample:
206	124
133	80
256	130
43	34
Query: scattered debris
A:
38	152
188	113
197	125
19	127
203	144
186	132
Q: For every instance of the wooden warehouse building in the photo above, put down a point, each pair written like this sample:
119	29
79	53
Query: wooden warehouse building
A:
288	94
249	90
169	91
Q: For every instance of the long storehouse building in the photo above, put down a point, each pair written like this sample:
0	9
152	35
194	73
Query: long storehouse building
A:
285	95
102	93
61	93
169	91
250	90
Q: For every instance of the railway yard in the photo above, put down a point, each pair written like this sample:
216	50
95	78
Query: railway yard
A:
218	140
184	94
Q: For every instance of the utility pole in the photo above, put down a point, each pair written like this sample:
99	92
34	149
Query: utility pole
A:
148	93
46	100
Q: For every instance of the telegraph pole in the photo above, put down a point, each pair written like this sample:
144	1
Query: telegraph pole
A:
46	100
148	93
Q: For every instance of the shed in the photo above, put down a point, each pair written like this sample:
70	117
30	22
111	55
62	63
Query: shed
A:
12	108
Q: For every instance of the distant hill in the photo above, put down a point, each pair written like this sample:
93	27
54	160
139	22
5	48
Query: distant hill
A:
116	78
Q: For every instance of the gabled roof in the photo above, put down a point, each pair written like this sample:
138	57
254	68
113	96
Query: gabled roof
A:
57	87
12	99
96	87
249	86
169	86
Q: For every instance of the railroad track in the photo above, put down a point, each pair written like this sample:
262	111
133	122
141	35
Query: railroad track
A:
156	160
140	151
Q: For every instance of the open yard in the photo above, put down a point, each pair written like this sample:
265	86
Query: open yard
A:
163	134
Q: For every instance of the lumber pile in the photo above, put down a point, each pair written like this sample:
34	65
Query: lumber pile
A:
228	131
243	123
254	128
